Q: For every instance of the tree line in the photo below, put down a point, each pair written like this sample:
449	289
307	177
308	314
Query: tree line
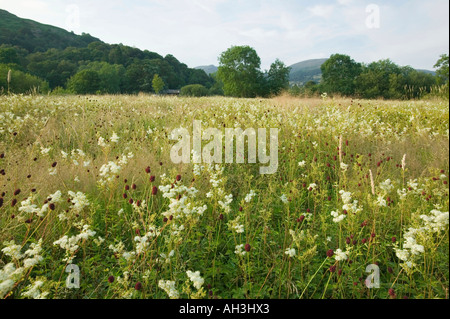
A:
341	75
97	68
101	68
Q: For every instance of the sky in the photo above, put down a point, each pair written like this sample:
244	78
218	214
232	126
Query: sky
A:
196	32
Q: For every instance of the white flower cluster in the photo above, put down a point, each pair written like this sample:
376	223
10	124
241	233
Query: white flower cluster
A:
169	287
196	279
9	275
218	184
416	238
181	201
77	156
290	252
413	188
109	171
284	199
236	226
70	244
239	250
249	196
339	255
34	291
348	205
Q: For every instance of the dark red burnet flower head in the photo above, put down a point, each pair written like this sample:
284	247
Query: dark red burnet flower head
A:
17	192
138	286
392	293
152	179
178	178
154	190
148	170
248	247
330	253
111	279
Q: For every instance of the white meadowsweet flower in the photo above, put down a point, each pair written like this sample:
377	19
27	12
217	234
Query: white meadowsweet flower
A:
239	250
381	201
114	138
28	207
338	217
302	164
284	199
169	287
344	166
45	151
196	279
339	255
290	252
101	142
249	196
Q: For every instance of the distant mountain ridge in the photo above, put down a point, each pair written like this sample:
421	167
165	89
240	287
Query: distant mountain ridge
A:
305	71
37	37
209	69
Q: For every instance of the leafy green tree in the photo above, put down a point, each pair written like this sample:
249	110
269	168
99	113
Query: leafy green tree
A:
158	84
442	71
239	70
339	74
110	75
380	80
139	76
195	90
8	55
84	82
20	82
278	77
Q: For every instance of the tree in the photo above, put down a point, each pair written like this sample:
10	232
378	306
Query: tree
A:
339	74
239	70
158	84
195	90
84	82
380	80
442	71
278	77
110	76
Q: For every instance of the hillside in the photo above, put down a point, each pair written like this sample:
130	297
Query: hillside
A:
37	37
49	57
305	71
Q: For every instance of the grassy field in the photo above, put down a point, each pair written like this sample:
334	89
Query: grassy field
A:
88	181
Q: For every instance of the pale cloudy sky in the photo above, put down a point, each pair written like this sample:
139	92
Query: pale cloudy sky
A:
409	32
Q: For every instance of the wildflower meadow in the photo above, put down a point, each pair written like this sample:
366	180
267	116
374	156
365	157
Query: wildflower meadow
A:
93	206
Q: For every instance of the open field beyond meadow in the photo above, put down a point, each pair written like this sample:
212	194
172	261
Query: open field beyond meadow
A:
89	182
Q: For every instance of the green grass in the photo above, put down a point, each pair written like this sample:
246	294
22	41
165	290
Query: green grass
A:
375	135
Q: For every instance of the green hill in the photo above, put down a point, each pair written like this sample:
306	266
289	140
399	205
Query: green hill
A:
37	37
305	71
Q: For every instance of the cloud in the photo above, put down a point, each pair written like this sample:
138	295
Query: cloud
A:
323	11
196	31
